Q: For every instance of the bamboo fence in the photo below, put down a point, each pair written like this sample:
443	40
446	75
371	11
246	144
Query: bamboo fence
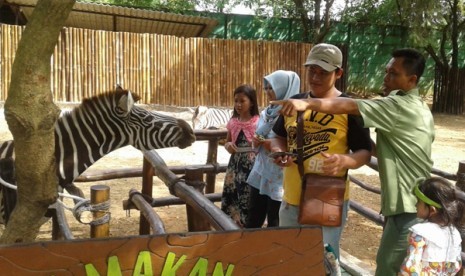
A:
161	69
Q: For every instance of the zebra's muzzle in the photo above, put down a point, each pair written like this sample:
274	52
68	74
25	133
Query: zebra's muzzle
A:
188	136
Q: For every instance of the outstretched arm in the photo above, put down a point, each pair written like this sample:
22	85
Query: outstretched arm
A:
338	105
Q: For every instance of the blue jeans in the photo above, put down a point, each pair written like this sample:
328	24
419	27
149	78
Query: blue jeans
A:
331	235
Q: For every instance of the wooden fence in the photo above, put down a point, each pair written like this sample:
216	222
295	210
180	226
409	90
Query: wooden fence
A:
164	70
449	90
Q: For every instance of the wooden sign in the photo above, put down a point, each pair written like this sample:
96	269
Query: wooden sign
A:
278	251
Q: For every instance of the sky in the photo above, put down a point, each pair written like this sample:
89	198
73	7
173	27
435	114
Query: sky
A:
338	4
241	10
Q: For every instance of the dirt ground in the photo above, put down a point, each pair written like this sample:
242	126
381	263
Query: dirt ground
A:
360	237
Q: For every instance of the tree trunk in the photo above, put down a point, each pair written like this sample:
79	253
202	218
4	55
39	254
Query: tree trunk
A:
317	21
31	116
306	22
327	23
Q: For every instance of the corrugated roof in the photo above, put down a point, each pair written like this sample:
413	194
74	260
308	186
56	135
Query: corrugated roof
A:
123	19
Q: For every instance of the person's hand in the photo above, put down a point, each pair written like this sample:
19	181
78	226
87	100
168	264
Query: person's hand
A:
282	160
237	219
257	140
266	144
239	223
291	106
230	147
333	163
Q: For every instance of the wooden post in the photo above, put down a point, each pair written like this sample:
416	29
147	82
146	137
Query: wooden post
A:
147	189
461	176
195	222
99	194
212	158
461	185
56	232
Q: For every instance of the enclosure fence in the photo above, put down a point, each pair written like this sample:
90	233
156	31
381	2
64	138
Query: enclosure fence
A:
449	90
201	215
161	69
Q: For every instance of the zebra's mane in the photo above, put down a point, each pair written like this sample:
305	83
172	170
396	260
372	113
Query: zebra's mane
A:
87	102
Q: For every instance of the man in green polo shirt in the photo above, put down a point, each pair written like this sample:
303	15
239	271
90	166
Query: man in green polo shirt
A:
405	132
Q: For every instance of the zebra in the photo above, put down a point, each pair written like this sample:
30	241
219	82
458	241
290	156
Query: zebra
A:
105	123
210	118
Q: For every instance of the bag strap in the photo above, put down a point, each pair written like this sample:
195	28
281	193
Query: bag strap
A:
300	142
300	146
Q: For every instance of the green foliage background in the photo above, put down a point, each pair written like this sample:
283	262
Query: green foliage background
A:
371	29
370	46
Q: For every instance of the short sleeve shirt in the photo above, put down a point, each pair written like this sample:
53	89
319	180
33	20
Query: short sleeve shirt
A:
404	136
333	134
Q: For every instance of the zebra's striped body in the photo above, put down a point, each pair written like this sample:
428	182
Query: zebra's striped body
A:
105	123
210	118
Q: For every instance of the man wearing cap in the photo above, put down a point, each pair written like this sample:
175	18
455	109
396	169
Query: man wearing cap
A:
405	133
328	139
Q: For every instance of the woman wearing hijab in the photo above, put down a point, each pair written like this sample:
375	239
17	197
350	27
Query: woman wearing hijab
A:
266	178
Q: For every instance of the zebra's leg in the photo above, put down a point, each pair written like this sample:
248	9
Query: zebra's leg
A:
74	190
8	196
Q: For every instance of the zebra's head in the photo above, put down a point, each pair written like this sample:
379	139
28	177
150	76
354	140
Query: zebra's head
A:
123	123
199	119
152	130
210	118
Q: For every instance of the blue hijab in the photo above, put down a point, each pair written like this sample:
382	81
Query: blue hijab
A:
285	84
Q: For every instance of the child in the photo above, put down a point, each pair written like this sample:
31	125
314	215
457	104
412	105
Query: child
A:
266	178
435	245
241	128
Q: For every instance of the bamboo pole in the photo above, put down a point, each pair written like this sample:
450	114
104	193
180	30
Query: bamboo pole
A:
224	74
156	69
182	69
214	72
75	65
163	63
99	194
172	70
196	70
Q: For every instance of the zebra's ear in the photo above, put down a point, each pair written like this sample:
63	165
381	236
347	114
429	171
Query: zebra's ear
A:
126	102
201	109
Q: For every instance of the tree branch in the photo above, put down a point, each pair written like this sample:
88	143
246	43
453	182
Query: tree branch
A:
429	48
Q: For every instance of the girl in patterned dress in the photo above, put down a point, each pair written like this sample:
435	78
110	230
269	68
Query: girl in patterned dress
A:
435	245
241	128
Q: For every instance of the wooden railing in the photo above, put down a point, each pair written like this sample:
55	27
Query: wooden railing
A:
185	194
